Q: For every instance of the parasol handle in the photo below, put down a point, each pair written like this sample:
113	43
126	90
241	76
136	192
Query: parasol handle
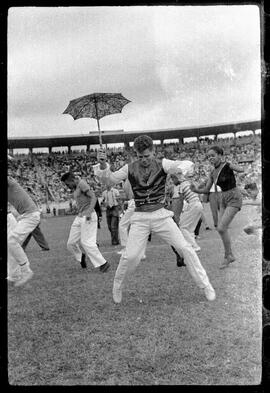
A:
99	133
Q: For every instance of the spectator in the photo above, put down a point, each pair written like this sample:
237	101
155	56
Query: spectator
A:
111	198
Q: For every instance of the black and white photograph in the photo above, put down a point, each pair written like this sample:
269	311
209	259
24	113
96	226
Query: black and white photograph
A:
134	201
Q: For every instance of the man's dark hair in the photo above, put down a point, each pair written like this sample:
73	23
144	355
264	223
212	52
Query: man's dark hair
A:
67	176
251	186
142	143
217	149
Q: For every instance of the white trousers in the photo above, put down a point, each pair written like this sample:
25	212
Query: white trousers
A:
18	230
161	223
189	220
125	222
11	223
85	233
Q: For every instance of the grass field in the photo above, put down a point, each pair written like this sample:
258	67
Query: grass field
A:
64	329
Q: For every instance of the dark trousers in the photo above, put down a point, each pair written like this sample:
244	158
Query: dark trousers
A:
198	226
39	238
112	216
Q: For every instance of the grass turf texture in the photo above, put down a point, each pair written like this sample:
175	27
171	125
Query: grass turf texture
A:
64	329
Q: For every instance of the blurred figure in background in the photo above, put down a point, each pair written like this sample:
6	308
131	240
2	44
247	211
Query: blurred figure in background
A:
111	197
28	219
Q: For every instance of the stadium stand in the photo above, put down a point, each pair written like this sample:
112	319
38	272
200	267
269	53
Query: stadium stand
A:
39	173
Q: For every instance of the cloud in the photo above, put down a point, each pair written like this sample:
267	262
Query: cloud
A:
178	65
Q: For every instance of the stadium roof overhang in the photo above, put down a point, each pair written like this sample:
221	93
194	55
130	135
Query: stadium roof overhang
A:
119	136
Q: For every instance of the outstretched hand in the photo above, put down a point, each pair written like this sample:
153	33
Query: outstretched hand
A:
101	156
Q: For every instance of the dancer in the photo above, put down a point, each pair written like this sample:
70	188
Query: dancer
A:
14	271
190	217
147	177
223	176
84	228
29	218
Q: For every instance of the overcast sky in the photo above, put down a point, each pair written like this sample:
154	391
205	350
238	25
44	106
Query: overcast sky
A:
179	66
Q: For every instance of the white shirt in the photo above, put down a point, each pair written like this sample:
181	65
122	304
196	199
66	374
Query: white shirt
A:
176	191
110	197
189	196
212	189
170	167
128	190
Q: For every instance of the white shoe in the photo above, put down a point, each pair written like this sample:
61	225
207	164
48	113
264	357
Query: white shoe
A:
197	249
26	275
209	292
15	276
143	257
117	295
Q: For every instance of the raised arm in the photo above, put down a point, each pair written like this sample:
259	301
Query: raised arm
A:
173	167
103	172
236	168
252	202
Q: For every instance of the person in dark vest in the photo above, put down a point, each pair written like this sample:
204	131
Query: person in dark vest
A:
223	176
147	176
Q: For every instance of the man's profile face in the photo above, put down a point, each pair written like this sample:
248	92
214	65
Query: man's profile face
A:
145	157
70	183
253	193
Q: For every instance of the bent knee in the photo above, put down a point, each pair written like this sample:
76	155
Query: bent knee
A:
90	247
221	229
12	239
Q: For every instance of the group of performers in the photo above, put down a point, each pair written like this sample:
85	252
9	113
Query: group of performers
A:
145	180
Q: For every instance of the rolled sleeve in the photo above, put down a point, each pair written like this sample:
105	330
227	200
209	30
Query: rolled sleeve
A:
108	177
174	167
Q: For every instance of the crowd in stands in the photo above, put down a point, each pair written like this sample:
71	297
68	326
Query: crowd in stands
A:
40	173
